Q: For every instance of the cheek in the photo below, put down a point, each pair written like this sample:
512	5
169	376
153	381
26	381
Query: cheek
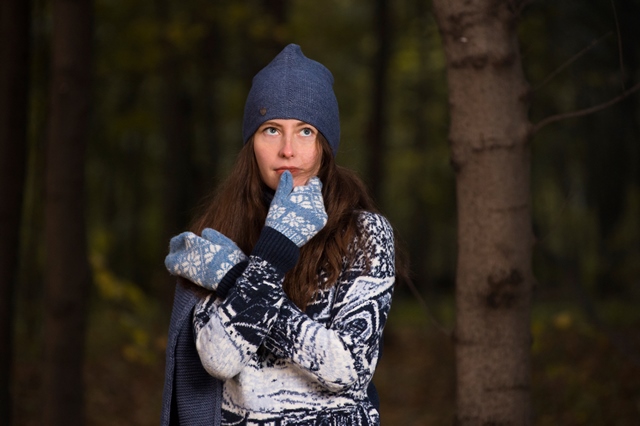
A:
260	155
262	159
312	167
314	161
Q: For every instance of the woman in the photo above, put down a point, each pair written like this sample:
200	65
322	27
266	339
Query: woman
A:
301	267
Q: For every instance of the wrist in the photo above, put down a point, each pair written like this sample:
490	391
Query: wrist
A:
230	278
276	249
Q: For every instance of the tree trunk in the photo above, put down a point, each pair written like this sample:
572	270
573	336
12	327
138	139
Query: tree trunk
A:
67	275
377	126
613	162
14	83
176	112
489	136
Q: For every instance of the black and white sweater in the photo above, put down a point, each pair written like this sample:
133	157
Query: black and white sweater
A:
282	366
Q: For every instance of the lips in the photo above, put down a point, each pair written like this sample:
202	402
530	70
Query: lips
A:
293	170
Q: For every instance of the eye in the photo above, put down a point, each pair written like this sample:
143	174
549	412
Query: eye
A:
270	131
307	132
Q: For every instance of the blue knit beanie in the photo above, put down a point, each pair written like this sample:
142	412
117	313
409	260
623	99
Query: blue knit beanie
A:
293	86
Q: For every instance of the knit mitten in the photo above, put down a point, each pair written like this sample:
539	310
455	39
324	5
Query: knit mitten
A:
203	260
297	213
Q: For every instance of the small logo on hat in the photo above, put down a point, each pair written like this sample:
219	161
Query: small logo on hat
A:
263	111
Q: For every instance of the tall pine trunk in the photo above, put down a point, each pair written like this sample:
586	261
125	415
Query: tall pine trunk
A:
67	274
489	136
14	83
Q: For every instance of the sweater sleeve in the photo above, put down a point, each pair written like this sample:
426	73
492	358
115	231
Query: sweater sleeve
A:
344	354
229	331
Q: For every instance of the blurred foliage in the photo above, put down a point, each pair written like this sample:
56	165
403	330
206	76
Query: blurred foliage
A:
580	375
127	315
190	64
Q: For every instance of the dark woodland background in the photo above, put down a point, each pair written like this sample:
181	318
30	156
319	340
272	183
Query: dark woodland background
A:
168	89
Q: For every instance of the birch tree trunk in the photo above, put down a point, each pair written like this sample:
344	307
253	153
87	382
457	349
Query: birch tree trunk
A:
489	137
67	275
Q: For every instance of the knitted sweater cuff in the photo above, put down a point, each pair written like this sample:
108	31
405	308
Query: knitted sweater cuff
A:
276	249
229	280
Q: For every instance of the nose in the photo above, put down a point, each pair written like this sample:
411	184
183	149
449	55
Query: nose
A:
286	150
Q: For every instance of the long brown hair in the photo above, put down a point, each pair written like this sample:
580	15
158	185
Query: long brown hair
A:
239	207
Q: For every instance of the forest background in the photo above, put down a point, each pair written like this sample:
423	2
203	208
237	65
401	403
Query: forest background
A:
169	84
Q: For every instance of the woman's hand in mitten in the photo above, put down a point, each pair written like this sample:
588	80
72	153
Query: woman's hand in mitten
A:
297	213
203	260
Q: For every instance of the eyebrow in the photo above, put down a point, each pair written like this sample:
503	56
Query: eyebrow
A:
300	123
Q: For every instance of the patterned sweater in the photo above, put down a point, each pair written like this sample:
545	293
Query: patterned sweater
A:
282	366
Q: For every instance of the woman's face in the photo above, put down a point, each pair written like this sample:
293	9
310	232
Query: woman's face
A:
292	145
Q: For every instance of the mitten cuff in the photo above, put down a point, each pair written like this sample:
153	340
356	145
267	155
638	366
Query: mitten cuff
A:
229	279
276	249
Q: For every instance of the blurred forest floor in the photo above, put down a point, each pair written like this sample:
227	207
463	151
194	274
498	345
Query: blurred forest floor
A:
579	376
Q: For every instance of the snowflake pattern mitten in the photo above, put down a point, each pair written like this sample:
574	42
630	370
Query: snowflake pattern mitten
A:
297	213
203	260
